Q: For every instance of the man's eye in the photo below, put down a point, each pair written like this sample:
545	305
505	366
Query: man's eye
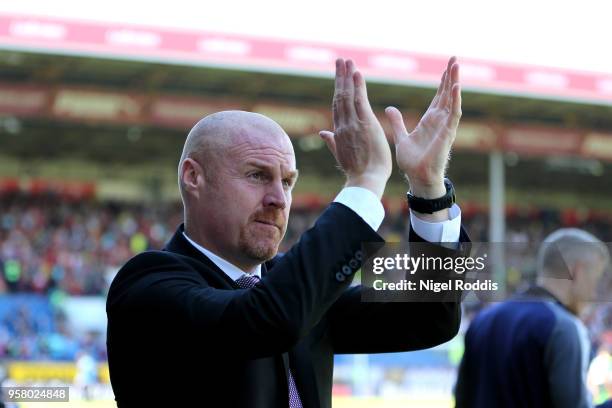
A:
287	183
258	176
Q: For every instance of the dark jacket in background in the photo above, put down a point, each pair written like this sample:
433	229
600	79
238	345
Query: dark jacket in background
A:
527	352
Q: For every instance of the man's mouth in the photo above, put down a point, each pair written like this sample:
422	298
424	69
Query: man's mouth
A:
271	223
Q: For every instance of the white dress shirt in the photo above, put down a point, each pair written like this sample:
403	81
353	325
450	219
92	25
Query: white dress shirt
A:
367	205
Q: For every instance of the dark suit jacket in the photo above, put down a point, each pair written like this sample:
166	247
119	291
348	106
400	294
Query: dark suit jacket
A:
179	329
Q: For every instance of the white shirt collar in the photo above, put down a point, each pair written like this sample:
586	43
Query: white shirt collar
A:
228	268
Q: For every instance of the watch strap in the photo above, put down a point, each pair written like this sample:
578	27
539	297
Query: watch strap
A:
430	206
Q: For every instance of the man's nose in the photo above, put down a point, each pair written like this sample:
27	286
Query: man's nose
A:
275	196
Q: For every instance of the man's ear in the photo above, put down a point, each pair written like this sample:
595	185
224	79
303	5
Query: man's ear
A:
192	177
575	269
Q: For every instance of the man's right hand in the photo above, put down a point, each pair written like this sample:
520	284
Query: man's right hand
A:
358	141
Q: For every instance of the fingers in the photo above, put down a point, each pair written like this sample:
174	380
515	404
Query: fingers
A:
436	99
328	138
448	83
455	111
338	107
453	103
397	123
349	90
350	94
362	104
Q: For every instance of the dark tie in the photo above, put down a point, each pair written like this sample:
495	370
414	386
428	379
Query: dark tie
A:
248	281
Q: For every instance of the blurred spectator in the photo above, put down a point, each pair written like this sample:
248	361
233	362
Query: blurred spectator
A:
86	373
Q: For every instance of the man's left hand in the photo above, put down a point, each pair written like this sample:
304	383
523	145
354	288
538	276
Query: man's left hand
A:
423	153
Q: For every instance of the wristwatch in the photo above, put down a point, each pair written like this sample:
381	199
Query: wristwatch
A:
430	206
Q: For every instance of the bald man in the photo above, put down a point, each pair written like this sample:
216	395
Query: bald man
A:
219	319
533	351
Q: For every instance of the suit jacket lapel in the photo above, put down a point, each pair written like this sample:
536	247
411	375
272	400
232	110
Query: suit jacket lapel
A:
304	375
179	245
299	359
285	356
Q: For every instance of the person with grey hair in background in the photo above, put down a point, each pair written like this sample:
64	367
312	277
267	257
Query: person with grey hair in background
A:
533	350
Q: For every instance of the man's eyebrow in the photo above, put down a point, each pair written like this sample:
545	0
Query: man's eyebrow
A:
293	174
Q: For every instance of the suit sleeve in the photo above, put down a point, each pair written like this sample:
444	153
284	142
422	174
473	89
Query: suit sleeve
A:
377	327
270	317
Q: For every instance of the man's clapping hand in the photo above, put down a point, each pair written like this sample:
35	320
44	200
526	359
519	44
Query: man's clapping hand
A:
423	153
358	141
361	149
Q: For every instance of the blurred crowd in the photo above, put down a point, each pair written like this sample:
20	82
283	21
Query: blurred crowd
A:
54	246
50	243
31	328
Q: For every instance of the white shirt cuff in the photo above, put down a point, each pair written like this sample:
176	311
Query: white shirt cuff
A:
443	231
365	203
